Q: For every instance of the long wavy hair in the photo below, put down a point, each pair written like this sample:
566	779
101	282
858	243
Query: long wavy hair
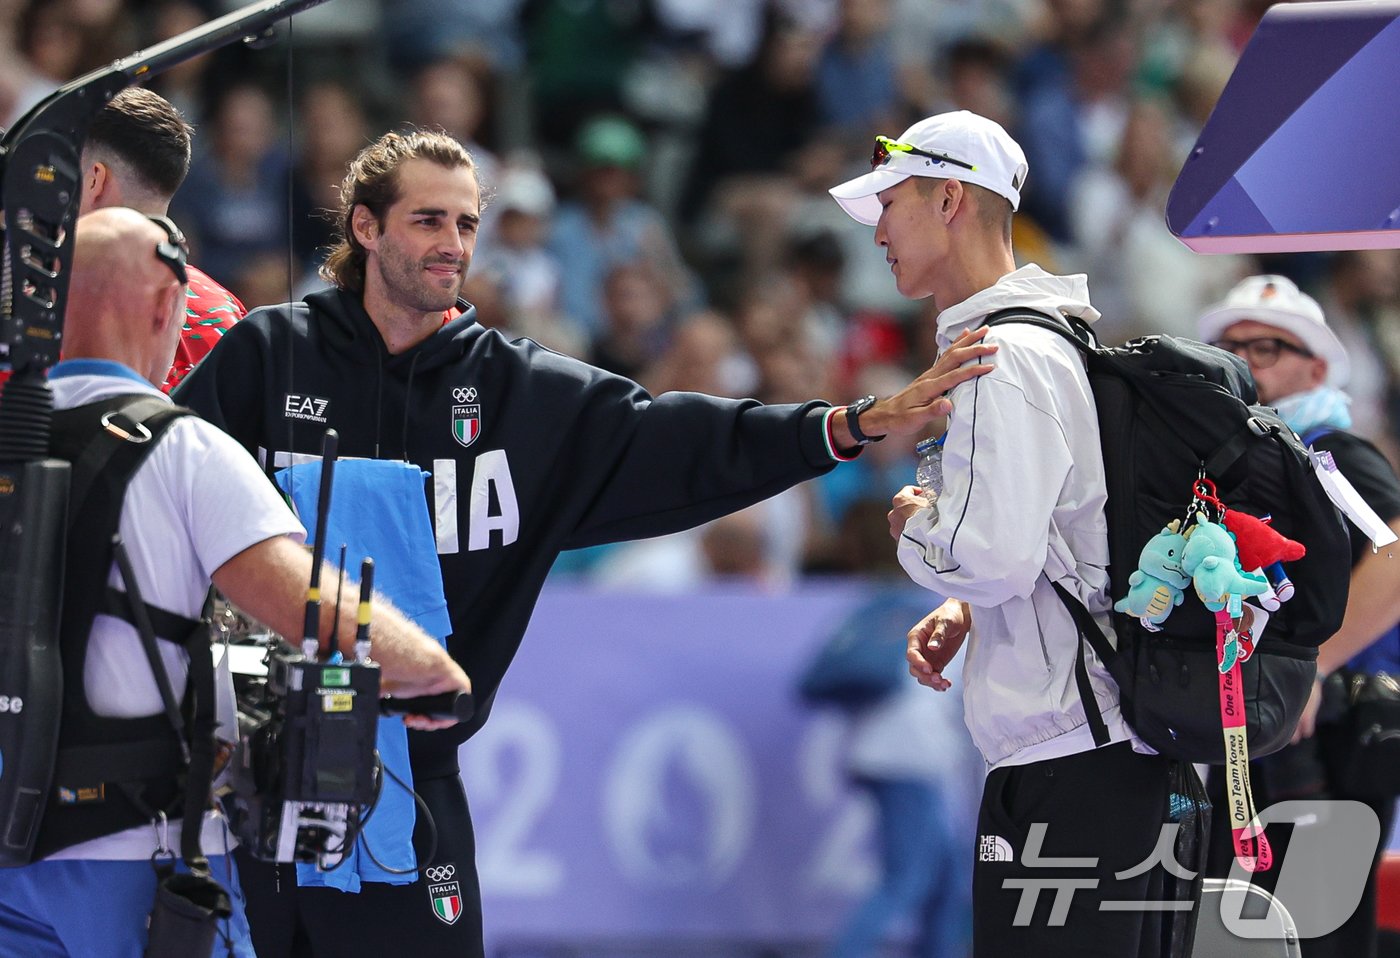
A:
372	181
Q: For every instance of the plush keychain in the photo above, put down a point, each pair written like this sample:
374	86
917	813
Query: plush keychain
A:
1263	550
1156	587
1212	561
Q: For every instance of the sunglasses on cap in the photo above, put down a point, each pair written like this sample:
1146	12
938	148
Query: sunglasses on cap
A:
173	252
885	148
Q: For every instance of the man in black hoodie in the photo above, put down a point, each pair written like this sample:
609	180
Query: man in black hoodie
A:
529	452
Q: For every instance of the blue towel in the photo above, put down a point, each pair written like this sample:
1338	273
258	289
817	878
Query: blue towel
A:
378	509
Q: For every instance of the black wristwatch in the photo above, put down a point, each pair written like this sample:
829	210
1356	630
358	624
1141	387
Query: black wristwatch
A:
853	412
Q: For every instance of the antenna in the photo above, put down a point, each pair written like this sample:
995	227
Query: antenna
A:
362	629
310	643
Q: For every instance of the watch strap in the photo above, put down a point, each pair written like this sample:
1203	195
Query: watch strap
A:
853	412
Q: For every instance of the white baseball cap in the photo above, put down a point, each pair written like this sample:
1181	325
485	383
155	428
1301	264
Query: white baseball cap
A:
525	190
965	147
1277	301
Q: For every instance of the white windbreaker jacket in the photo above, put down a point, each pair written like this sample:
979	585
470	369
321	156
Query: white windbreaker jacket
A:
1022	506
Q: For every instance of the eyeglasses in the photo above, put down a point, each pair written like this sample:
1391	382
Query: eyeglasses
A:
174	251
1260	353
885	148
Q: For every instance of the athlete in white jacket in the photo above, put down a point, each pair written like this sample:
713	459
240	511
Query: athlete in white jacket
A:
1022	506
1022	447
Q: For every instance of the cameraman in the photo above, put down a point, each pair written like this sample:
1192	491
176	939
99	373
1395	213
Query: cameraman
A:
197	509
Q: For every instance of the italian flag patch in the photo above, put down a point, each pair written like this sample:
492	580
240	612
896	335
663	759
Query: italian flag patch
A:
447	901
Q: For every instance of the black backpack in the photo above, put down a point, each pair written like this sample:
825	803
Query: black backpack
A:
1169	409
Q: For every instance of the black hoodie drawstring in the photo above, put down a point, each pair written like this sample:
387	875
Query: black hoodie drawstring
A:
378	396
408	404
348	322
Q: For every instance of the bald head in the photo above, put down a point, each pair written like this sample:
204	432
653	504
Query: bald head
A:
124	303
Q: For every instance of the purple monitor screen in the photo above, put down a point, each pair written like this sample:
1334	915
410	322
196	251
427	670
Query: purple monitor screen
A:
1303	150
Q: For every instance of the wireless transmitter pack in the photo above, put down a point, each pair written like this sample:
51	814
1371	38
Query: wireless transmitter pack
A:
306	763
307	753
305	772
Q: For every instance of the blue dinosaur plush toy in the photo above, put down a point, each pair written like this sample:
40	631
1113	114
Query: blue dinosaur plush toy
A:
1156	587
1212	561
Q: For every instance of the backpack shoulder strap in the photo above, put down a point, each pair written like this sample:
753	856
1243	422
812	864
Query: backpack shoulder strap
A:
1089	632
106	442
1074	330
1083	339
90	436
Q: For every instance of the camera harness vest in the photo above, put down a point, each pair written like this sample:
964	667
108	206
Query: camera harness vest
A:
111	774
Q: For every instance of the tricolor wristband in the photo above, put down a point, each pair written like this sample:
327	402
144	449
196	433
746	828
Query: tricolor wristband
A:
830	436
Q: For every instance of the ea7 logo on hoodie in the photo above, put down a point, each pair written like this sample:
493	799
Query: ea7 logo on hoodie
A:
466	415
311	408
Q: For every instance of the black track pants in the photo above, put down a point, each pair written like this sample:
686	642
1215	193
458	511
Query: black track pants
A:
1108	804
292	922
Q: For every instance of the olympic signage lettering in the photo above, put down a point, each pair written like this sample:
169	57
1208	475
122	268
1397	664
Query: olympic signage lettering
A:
672	775
684	747
704	748
667	777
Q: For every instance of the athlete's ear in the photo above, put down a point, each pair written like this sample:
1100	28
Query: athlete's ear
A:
954	197
365	225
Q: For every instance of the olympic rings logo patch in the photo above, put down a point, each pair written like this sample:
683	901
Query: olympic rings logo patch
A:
467	394
440	872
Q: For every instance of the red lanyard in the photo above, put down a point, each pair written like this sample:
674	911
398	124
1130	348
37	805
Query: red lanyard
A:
1239	800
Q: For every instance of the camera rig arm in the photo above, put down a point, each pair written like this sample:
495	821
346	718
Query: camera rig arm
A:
39	165
40	187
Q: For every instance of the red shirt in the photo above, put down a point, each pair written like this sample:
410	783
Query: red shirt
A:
209	310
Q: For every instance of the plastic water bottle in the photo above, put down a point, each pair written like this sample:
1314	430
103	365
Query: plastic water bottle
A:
929	473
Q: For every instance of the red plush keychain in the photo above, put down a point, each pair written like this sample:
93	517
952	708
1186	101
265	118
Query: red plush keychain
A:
1264	549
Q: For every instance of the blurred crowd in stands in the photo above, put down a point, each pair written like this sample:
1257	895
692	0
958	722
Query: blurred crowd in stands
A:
655	174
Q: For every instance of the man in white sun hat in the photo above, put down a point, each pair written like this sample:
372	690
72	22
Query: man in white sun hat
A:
1300	366
1265	317
1021	511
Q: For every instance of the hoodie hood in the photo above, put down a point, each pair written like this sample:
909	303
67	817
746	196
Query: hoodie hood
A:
346	325
1029	286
